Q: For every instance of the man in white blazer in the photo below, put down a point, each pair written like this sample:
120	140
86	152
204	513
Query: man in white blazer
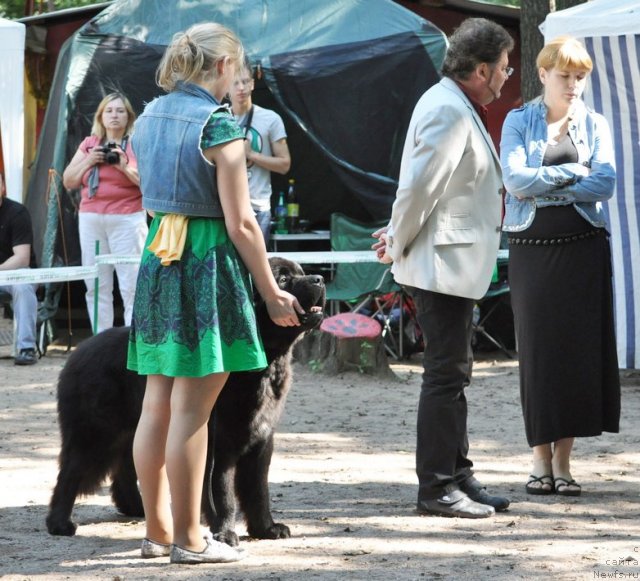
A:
443	239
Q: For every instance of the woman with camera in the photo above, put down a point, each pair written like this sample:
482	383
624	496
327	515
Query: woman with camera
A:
106	171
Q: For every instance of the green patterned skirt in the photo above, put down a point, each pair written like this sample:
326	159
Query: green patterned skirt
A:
195	316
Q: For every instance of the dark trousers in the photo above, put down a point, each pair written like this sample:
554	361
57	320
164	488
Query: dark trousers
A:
441	453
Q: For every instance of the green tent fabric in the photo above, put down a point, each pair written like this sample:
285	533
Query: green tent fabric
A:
344	74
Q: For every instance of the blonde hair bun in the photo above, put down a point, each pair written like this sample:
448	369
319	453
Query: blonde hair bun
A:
195	52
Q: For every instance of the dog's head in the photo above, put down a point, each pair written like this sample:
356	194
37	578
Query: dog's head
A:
309	289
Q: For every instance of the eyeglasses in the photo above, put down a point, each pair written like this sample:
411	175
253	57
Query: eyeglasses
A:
506	71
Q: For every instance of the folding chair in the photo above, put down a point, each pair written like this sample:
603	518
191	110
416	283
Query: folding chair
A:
6	337
366	288
44	328
488	306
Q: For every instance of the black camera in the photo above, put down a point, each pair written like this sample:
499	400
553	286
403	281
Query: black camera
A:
111	156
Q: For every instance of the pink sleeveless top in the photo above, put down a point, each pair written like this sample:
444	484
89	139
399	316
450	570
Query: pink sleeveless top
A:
116	193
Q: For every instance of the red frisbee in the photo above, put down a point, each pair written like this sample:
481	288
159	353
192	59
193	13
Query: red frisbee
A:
351	325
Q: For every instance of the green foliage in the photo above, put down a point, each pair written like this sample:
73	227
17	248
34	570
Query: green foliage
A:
15	8
366	356
11	8
316	365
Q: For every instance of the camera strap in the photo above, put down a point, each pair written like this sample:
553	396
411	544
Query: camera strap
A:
123	143
93	182
247	123
123	146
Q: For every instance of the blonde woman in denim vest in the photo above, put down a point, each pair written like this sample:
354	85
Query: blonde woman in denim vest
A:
193	320
558	167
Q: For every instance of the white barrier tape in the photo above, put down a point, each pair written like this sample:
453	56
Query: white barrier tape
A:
327	256
63	273
118	259
39	275
68	273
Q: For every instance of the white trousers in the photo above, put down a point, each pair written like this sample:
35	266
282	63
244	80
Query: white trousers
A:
117	234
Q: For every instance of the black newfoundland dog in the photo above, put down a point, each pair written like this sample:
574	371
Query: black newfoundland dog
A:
99	403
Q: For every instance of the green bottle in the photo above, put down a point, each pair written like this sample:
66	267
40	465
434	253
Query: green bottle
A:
281	215
293	208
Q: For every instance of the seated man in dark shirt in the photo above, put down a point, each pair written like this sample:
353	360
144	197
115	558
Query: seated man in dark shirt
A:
16	251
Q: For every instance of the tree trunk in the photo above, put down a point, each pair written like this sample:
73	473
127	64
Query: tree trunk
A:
532	13
327	354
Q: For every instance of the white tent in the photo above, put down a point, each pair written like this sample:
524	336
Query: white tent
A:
12	35
611	33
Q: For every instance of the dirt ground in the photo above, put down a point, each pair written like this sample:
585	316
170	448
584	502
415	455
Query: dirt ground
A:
343	479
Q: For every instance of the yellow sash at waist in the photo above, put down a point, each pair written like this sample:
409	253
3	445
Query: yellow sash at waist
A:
168	243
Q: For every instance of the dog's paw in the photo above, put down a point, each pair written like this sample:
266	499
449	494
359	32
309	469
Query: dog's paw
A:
130	509
126	497
64	529
228	537
275	531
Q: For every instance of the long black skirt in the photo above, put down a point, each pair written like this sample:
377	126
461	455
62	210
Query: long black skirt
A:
562	299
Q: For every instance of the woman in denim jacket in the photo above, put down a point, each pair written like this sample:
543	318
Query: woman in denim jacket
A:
558	167
193	316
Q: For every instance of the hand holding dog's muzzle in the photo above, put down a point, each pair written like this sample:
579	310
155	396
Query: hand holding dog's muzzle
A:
283	309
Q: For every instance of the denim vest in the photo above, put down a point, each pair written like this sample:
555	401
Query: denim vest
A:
175	177
531	185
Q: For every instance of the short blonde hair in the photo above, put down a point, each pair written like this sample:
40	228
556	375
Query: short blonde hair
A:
98	128
245	66
195	52
564	53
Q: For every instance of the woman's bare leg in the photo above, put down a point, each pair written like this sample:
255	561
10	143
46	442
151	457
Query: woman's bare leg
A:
192	400
149	458
562	463
542	466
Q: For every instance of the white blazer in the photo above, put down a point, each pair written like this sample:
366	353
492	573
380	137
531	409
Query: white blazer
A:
445	223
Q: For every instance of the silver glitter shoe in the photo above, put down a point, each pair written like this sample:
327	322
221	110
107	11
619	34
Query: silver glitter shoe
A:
214	552
150	549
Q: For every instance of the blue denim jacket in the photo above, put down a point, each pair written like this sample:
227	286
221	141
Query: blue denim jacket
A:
175	176
530	185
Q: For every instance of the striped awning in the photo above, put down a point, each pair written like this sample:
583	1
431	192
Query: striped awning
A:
614	91
611	33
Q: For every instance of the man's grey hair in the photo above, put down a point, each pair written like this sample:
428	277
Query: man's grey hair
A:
475	41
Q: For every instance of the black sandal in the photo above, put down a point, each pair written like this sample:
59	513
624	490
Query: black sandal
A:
545	480
563	485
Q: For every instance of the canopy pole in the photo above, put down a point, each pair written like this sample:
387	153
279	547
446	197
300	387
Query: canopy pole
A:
96	293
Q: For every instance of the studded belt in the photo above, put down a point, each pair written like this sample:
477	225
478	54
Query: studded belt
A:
557	240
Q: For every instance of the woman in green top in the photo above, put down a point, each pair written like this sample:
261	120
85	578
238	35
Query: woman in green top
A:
193	319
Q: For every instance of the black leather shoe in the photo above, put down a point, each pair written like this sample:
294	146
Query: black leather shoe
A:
26	357
475	491
454	502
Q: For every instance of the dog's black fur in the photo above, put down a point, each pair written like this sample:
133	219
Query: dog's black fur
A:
99	403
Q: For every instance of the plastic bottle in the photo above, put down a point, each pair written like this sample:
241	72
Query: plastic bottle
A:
293	208
281	215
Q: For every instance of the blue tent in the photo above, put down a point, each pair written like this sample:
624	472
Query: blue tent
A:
345	74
